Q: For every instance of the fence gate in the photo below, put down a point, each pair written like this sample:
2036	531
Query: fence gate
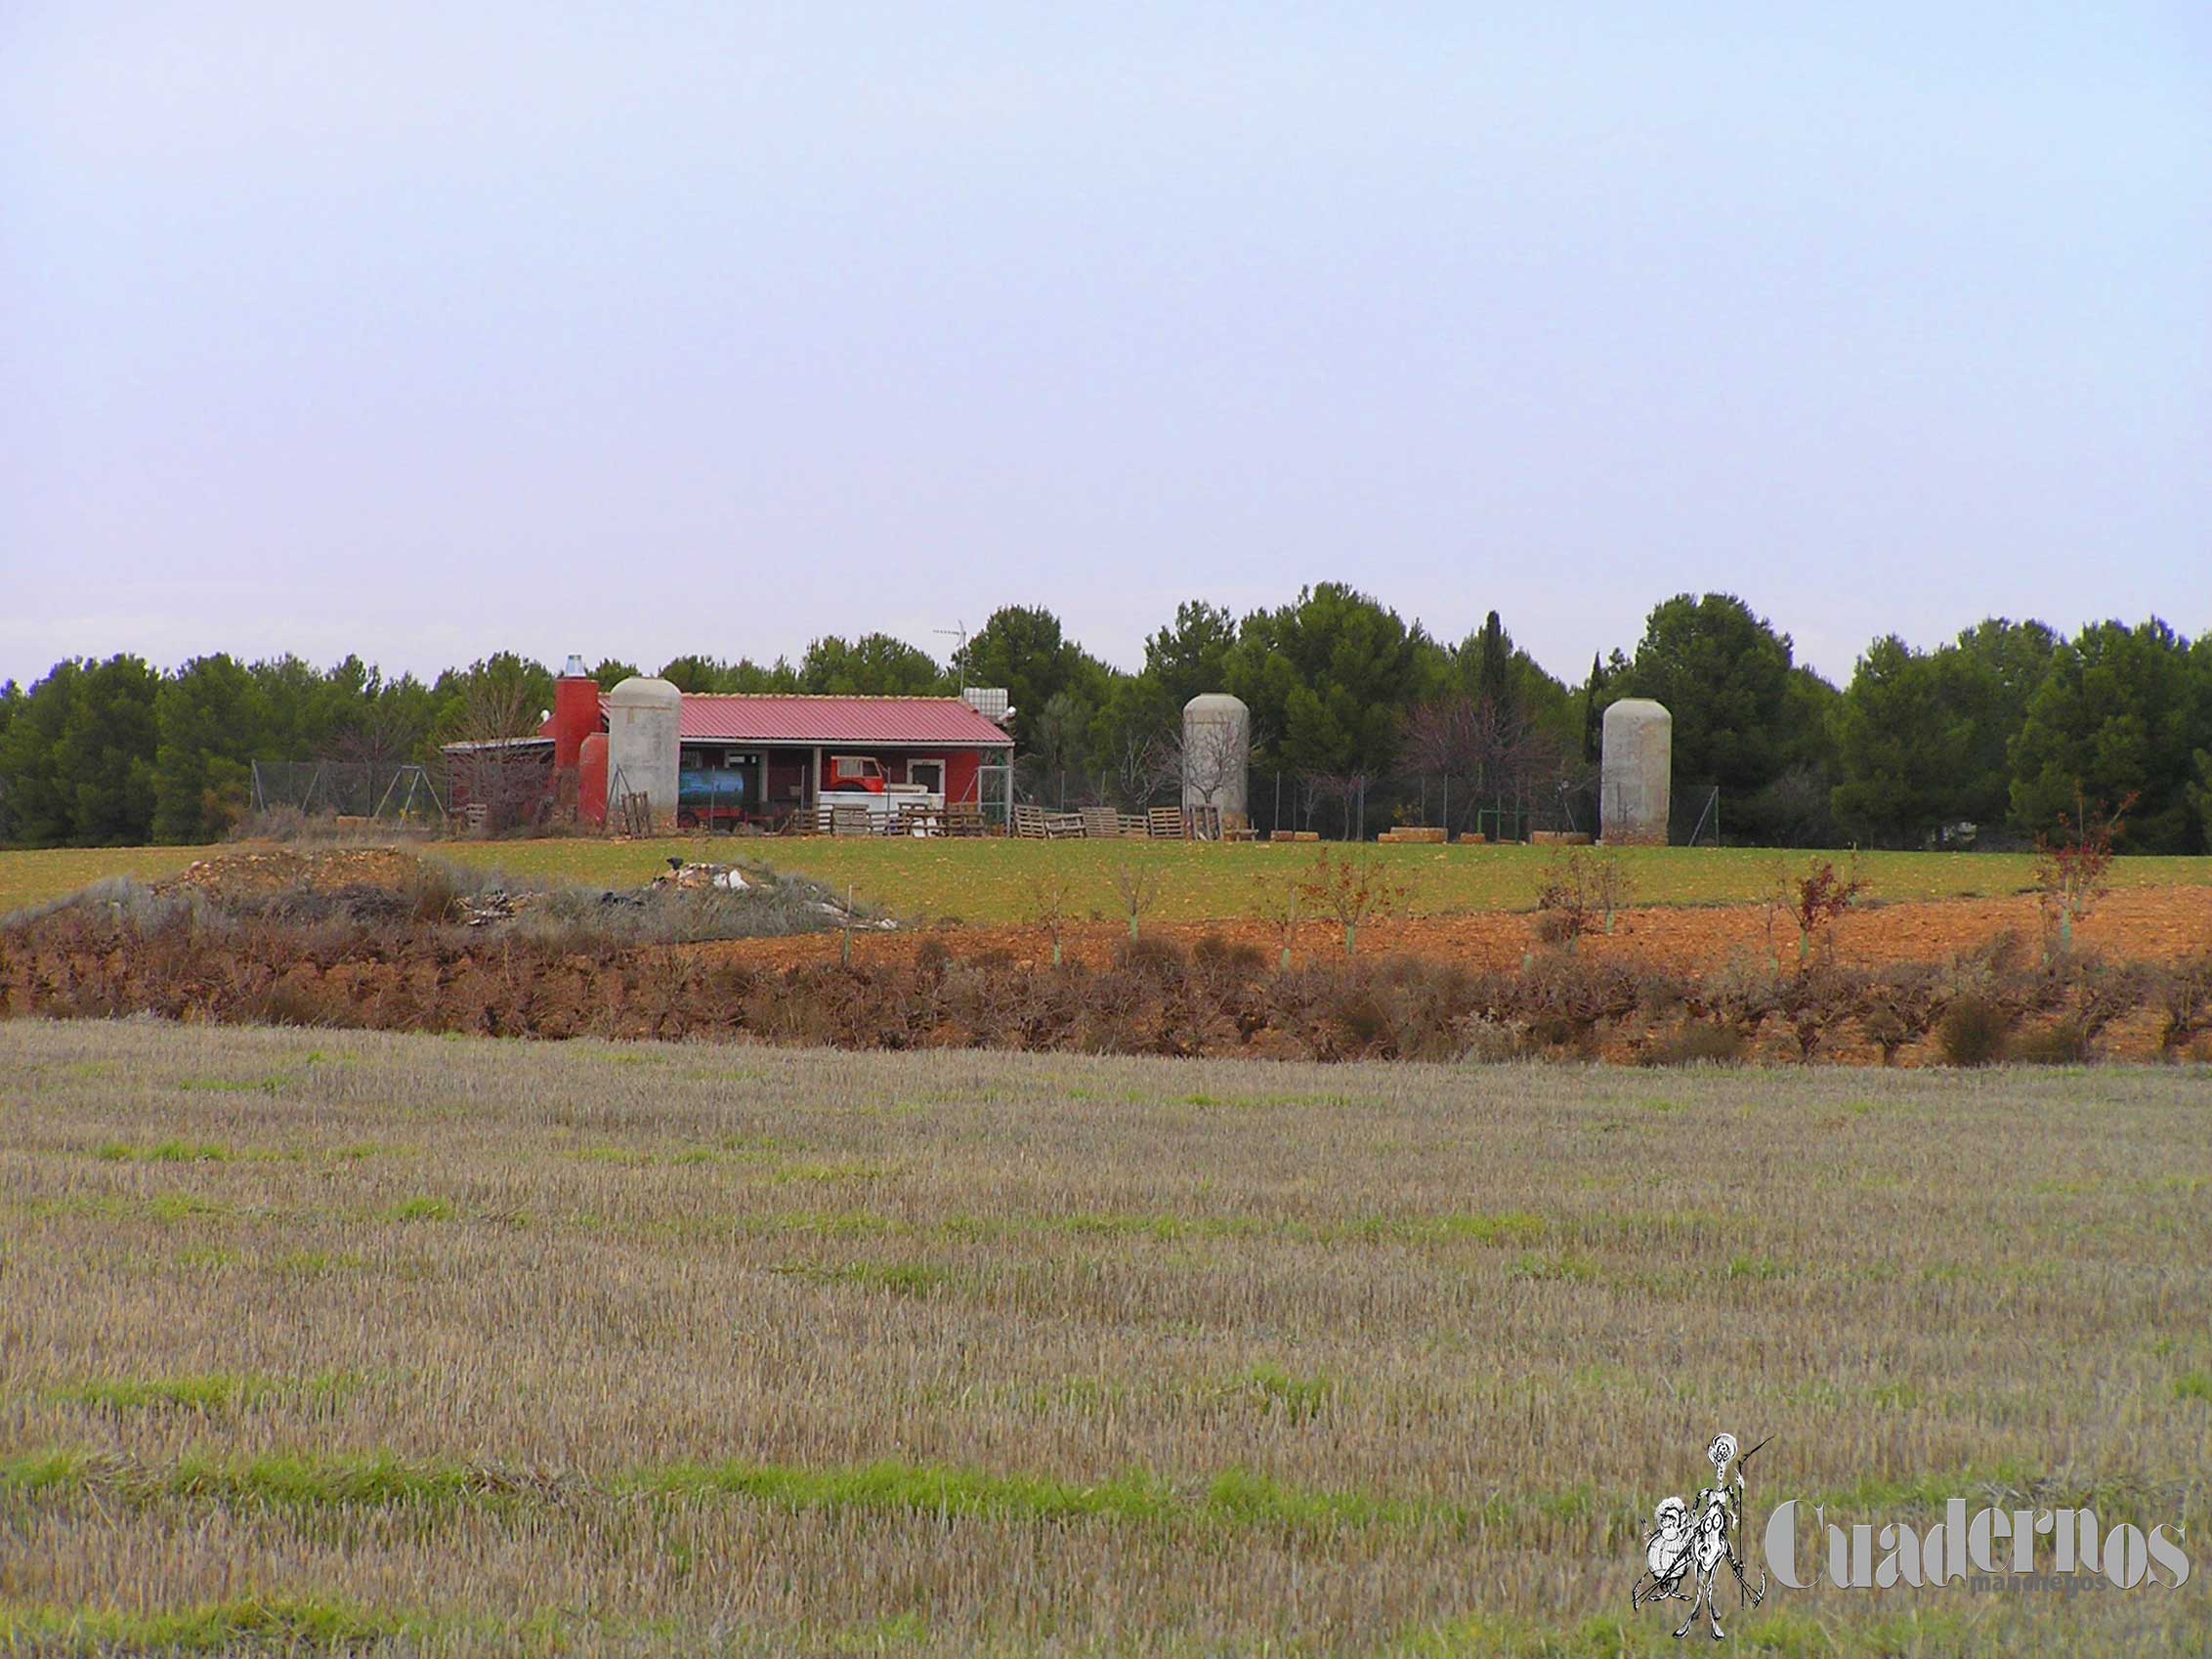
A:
994	793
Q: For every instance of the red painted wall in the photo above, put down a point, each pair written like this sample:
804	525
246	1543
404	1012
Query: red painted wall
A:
960	768
575	717
591	778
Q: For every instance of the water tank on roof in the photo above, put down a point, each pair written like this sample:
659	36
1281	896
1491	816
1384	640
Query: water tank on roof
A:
643	718
1216	754
989	702
1636	775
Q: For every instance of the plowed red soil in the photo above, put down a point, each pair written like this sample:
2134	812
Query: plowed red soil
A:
2143	924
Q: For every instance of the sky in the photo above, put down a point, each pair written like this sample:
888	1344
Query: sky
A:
630	330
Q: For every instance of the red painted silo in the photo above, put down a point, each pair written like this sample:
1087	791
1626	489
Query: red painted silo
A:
591	777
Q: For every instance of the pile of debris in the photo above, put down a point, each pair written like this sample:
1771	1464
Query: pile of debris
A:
490	907
694	878
686	878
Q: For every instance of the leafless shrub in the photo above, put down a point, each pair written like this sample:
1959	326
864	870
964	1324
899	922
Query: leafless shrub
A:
1695	1043
1578	893
2184	996
1897	1007
1974	1032
1491	1040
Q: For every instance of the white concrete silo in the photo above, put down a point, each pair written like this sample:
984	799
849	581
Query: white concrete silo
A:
643	721
1637	773
1216	754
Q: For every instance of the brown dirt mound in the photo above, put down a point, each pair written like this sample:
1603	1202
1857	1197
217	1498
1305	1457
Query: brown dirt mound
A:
264	873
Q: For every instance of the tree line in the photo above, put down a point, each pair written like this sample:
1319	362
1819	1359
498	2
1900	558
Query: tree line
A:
1360	719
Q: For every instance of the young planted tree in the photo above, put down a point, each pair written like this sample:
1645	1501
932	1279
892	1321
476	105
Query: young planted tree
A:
1353	889
2071	870
1137	885
1613	884
1051	905
1277	901
1814	898
1574	897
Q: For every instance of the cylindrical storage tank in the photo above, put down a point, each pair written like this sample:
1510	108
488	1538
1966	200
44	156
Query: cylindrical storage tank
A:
1635	776
1216	754
575	717
643	721
591	779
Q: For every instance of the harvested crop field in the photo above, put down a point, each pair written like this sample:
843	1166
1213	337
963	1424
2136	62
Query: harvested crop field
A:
348	1340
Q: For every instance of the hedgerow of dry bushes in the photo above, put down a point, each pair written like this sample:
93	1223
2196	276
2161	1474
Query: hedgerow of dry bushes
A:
177	962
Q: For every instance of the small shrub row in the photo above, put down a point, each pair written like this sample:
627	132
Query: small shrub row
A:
1156	997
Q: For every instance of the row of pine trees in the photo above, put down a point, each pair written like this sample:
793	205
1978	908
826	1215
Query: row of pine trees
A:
1360	719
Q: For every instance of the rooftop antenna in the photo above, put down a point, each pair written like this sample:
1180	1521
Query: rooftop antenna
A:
960	654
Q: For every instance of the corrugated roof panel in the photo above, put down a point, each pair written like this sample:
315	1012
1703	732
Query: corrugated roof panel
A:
885	721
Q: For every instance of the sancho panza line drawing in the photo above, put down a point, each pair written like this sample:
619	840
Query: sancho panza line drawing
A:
1688	1539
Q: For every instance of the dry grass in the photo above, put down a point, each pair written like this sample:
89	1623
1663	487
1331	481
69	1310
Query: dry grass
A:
342	1340
992	881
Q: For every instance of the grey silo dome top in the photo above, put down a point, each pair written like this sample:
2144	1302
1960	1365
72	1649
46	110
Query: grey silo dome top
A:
641	691
1215	703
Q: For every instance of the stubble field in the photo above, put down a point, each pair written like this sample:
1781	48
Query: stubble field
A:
346	1339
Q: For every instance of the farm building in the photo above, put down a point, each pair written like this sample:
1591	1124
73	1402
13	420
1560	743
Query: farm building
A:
721	760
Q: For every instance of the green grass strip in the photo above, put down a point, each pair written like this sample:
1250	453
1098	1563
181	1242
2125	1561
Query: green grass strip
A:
1235	1500
272	1624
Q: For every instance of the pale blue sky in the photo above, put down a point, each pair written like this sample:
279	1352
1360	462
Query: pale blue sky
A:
428	330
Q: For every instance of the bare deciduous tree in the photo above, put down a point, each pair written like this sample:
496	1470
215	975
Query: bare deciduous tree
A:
501	769
1133	774
1209	760
1477	748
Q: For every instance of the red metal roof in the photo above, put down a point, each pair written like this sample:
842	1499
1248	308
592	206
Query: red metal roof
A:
880	721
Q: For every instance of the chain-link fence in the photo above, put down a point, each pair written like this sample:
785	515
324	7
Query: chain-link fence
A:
347	789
